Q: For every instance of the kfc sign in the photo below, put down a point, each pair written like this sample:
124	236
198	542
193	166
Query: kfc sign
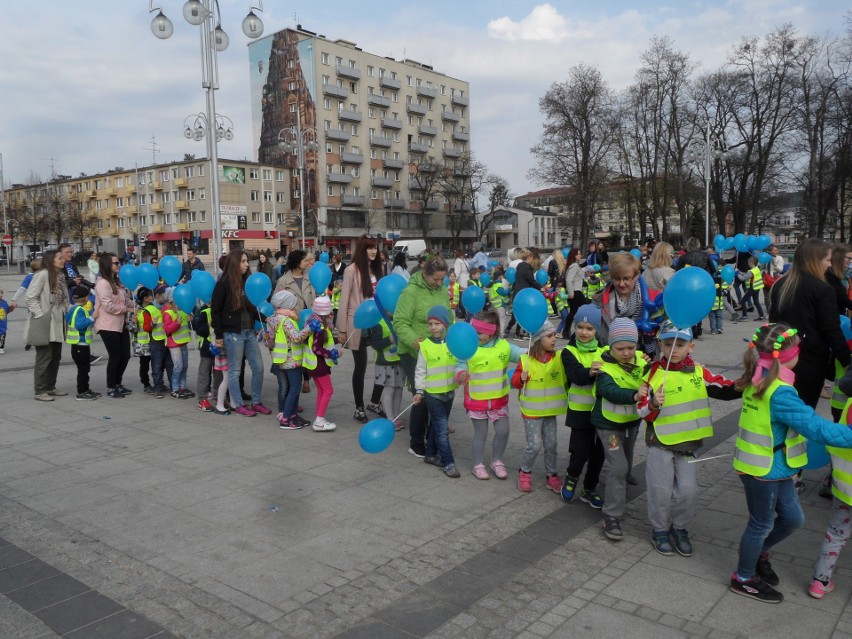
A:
234	235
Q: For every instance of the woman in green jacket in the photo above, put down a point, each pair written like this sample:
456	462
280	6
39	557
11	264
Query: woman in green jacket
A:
425	289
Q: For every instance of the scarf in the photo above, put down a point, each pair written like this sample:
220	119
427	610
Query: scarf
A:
632	308
586	347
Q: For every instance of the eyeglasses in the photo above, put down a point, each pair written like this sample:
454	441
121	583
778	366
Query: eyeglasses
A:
623	280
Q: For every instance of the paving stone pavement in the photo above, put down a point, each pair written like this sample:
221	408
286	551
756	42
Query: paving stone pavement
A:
178	523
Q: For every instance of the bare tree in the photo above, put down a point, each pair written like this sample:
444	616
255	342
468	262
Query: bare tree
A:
426	180
497	195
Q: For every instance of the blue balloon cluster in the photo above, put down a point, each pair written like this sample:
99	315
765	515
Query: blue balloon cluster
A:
743	243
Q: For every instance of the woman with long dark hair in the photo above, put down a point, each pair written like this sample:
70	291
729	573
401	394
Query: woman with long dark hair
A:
359	283
113	302
232	319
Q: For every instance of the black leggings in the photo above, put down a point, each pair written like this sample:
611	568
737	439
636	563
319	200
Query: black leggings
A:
574	305
118	351
358	375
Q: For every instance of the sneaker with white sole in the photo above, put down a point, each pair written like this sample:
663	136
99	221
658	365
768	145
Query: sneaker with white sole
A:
755	588
819	589
322	425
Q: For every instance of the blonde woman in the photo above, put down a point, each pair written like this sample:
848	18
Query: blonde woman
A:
659	270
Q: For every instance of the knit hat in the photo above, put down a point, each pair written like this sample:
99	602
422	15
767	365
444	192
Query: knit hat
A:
623	329
142	293
283	299
590	314
546	328
669	331
322	305
439	314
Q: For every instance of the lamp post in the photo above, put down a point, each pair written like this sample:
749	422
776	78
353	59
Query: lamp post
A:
5	221
715	148
297	140
206	14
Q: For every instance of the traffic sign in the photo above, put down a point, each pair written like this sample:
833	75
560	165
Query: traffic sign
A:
7	240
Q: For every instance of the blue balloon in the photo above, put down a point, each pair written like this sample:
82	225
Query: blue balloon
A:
258	325
690	295
324	257
266	309
541	277
202	284
741	243
320	277
764	258
366	315
128	276
510	274
185	298
765	242
304	314
753	242
530	309
147	275
502	291
493	263
719	242
388	291
376	435
473	299
635	252
566	252
728	273
485	279
846	327
818	456
462	340
170	269
258	288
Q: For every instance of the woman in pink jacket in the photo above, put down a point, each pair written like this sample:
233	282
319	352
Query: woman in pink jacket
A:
112	304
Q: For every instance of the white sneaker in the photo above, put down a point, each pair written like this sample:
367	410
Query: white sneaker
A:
2	351
321	424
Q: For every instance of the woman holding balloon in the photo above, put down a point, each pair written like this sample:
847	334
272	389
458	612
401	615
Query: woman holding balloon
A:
113	302
359	283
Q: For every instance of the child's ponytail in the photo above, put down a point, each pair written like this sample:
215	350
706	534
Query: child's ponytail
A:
770	345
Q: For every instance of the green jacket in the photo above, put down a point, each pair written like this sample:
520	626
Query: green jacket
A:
409	320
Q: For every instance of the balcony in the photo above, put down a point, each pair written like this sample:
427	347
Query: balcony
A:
337	92
156	185
413	107
156	208
337	134
450	116
427	130
427	167
459	100
417	147
351	158
379	101
182	226
462	171
131	210
462	207
394	164
110	211
155	228
179	182
91	193
431	205
349	72
427	92
181	204
131	188
452	153
461	136
110	190
353	200
394	203
382	182
338	178
351	116
380	140
416	185
392	123
390	83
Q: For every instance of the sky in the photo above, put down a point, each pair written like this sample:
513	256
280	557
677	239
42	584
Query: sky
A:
85	87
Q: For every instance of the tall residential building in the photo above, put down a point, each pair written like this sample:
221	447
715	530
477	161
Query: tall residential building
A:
391	136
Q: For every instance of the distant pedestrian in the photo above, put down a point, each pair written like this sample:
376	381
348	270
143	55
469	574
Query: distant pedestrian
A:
78	328
113	303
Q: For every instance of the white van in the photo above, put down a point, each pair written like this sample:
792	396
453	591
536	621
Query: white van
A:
411	248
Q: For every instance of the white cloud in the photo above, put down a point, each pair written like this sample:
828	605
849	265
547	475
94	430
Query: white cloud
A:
543	23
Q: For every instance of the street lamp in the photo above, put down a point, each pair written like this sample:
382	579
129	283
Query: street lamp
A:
5	221
715	148
296	140
206	14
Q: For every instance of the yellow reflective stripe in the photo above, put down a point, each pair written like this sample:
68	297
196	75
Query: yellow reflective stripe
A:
543	392
442	370
578	398
482	375
755	439
619	409
484	388
753	459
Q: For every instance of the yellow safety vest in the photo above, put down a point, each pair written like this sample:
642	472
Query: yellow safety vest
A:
335	298
685	417
389	355
200	340
719	303
142	336
561	302
487	369
544	394
473	282
757	279
622	413
158	333
440	367
582	398
309	358
73	335
838	397
283	346
755	446
182	335
455	294
841	465
494	297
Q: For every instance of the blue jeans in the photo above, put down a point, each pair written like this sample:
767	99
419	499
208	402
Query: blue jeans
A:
751	297
289	385
438	439
564	314
774	513
180	362
160	357
238	345
715	320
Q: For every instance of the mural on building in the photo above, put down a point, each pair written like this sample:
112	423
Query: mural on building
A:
283	97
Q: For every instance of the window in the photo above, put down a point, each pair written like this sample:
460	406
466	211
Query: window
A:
324	58
371	112
293	107
292	86
329	189
281	196
203	215
280	219
370	71
255	217
118	182
167	196
338	60
253	174
326	103
353	87
374	194
354	129
202	194
201	170
267	174
190	194
119	203
175	172
409	80
267	196
279	175
327	124
267	218
189	171
167	218
326	80
296	194
329	147
255	196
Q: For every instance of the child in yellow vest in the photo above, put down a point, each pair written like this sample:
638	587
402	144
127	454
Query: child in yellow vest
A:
387	371
677	414
753	285
178	335
618	387
434	385
318	357
286	343
541	381
770	446
78	328
454	290
486	392
142	338
336	292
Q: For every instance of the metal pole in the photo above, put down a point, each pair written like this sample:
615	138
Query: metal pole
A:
8	249
210	82
300	147
707	187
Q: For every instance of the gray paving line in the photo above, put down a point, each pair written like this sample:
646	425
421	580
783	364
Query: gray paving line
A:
426	608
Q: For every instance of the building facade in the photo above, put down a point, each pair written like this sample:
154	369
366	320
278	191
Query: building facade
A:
511	226
390	137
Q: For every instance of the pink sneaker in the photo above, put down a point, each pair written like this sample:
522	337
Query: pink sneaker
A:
818	590
554	483
245	411
479	472
260	408
398	425
524	482
499	469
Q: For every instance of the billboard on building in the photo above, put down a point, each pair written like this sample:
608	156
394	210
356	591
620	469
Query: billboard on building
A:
234	174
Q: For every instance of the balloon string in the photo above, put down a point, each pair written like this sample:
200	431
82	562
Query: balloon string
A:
529	347
348	338
703	459
403	412
669	362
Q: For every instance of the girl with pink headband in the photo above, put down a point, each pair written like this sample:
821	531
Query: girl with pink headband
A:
486	392
770	447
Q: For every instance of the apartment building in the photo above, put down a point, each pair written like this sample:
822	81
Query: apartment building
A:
383	139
